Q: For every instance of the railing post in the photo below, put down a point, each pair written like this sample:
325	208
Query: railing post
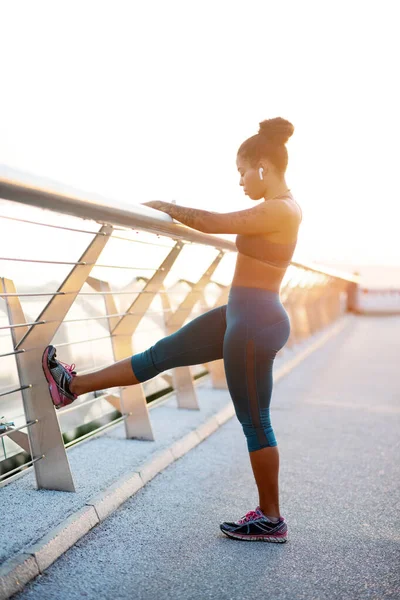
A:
321	318
353	304
133	400
182	377
45	438
137	414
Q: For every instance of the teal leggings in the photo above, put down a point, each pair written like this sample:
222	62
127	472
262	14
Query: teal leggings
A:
247	333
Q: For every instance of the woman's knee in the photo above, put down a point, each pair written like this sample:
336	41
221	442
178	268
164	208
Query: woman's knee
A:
259	437
143	365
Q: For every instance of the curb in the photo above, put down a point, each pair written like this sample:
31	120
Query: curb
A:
16	572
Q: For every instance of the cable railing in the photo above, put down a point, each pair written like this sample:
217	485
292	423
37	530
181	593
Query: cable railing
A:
62	272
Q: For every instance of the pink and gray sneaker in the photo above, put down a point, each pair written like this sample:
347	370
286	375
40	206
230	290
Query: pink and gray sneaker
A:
255	526
59	375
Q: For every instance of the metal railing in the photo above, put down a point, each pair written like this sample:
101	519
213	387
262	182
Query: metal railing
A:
379	301
79	287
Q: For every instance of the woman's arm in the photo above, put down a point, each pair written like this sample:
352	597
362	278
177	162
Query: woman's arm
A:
192	217
265	217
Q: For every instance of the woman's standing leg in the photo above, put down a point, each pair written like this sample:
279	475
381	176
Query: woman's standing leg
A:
250	347
265	465
264	460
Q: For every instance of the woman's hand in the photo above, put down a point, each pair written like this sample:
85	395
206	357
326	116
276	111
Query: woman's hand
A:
157	204
192	217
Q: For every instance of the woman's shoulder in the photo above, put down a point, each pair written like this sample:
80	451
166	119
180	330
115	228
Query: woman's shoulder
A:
289	209
289	224
294	205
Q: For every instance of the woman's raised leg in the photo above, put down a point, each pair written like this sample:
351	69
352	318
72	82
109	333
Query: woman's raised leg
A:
117	375
197	342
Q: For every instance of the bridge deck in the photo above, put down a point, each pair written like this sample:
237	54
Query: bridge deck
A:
336	418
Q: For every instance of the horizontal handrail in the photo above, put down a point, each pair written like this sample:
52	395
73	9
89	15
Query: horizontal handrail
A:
36	191
28	189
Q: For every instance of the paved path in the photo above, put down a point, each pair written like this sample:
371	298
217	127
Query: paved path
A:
336	418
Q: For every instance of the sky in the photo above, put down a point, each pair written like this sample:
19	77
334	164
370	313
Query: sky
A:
151	100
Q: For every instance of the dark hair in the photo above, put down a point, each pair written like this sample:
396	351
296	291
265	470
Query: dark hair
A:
269	143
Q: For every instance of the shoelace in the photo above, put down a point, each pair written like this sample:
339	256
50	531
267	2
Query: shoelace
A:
69	368
250	516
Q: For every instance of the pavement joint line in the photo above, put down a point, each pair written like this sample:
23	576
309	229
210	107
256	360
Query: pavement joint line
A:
19	570
59	539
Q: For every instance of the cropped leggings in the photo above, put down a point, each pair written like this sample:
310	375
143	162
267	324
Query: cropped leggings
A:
247	333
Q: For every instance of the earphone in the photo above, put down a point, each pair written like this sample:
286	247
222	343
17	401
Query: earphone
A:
260	172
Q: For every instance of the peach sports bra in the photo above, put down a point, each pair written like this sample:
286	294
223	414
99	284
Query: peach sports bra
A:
273	253
258	246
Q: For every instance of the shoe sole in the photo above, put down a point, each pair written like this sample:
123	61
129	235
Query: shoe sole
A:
54	393
257	538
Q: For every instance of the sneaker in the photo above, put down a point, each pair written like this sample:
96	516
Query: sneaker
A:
255	526
59	375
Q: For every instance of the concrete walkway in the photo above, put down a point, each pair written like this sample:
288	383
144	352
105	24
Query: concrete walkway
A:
336	418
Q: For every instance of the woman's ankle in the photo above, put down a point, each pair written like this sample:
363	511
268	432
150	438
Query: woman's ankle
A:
270	511
74	386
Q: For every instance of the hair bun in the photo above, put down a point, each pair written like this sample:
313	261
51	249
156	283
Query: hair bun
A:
276	130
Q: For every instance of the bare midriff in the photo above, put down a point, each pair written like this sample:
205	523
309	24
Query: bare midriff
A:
251	272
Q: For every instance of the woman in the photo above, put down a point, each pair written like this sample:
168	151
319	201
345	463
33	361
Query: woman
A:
247	332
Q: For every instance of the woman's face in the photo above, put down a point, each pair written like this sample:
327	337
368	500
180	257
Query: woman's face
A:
250	180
